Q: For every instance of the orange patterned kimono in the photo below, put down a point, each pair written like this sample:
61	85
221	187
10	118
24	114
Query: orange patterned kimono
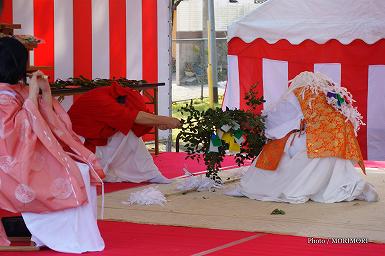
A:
271	153
328	134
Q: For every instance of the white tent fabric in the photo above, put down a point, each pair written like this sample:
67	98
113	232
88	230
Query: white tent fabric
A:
317	20
318	36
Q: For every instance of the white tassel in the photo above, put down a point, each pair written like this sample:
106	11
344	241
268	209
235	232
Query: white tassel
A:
317	82
198	183
146	196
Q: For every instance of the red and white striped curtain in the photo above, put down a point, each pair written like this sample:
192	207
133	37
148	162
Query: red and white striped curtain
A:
98	38
358	66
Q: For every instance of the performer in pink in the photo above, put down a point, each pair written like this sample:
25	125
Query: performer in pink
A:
112	120
53	189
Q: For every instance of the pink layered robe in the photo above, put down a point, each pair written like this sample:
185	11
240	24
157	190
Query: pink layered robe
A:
36	173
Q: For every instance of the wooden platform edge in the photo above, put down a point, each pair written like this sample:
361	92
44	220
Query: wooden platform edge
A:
20	248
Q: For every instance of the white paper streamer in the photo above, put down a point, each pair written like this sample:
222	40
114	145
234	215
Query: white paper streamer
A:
226	128
198	183
317	82
213	148
146	196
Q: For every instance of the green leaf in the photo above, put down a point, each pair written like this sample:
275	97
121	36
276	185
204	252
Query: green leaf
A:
199	126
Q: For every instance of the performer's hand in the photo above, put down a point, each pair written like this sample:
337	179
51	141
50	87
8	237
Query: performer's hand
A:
168	123
162	122
41	81
173	123
33	89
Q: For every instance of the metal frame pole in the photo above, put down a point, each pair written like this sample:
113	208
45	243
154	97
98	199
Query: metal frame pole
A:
213	51
170	8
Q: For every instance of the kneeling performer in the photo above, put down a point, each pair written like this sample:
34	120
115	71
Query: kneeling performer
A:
312	148
112	120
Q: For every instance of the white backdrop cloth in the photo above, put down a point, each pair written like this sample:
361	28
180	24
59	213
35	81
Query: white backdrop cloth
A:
126	158
72	230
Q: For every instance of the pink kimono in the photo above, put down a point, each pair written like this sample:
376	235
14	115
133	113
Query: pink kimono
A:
36	173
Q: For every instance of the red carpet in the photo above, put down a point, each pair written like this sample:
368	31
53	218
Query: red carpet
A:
374	164
135	239
124	239
283	245
171	164
111	187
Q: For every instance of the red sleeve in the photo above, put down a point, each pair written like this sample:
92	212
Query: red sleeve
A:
135	99
96	110
115	115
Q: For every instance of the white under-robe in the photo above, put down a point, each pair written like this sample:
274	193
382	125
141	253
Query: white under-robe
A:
126	158
299	178
73	230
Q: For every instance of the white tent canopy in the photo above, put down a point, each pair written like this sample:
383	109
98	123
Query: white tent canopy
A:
317	20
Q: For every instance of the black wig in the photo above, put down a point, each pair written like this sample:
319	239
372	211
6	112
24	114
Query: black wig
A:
13	60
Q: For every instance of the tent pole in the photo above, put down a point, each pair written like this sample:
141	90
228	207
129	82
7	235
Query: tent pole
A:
212	51
170	23
210	71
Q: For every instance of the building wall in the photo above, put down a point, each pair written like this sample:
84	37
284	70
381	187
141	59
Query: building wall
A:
190	41
189	13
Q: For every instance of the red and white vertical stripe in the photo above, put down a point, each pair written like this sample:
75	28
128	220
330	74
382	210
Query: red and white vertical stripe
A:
275	80
98	38
358	66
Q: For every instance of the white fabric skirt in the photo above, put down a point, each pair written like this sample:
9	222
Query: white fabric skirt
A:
72	230
126	158
299	179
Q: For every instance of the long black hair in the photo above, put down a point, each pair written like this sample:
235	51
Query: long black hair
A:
13	60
